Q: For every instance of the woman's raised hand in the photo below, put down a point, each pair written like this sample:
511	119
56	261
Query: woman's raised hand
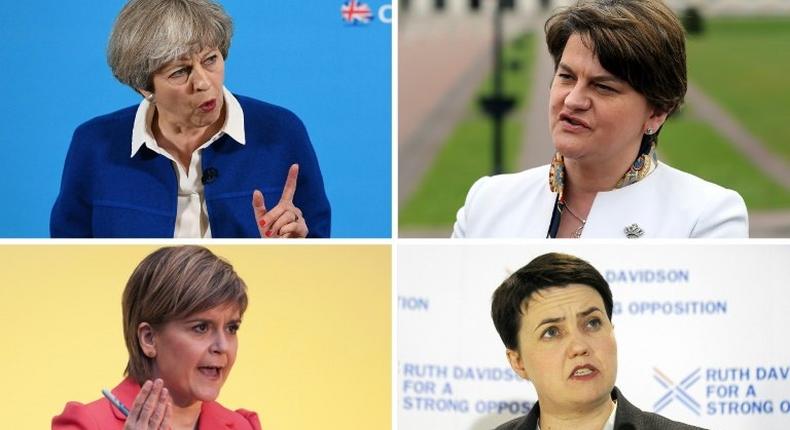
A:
285	219
151	409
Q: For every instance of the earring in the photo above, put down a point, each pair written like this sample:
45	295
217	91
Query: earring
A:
150	98
649	131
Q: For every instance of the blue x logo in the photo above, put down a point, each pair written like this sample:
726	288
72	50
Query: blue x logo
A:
677	391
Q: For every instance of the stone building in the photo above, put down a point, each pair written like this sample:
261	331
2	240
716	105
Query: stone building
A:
472	7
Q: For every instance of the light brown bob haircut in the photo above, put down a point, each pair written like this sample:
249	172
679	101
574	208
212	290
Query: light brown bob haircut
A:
638	41
151	33
171	284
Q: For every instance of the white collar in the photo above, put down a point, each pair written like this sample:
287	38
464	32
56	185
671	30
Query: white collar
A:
610	422
141	130
609	425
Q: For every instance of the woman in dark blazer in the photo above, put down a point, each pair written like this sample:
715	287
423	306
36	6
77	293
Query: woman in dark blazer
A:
554	317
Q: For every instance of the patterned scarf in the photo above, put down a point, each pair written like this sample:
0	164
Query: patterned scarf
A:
644	164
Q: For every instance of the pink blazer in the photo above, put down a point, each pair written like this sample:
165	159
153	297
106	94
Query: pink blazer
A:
101	414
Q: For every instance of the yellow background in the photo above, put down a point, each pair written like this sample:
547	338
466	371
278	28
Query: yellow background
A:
314	347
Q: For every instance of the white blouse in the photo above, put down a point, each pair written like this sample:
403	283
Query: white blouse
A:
192	215
609	422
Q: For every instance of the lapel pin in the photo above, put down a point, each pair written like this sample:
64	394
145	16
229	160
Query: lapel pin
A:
633	231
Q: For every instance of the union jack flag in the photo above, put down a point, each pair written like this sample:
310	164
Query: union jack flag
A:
353	11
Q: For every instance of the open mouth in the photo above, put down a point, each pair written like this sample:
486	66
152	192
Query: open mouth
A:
208	106
573	121
211	372
584	372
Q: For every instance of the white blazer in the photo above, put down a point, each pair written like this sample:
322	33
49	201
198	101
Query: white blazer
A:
667	203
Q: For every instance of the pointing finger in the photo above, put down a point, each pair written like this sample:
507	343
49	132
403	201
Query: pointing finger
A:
290	183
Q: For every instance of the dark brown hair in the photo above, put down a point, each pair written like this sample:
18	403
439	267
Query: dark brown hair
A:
546	271
171	284
639	41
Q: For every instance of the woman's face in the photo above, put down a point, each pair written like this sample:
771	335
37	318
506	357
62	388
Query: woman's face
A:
195	355
188	91
594	116
567	348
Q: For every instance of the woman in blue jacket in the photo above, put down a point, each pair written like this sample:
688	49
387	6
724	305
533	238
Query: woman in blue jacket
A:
192	159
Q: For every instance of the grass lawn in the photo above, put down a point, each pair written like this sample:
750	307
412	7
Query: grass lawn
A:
742	63
739	62
468	155
694	146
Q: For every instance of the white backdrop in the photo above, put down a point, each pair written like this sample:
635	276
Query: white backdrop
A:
702	332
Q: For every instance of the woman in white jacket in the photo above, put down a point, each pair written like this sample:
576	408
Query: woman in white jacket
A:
620	70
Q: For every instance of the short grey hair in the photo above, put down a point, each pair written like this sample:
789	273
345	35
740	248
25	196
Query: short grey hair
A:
151	33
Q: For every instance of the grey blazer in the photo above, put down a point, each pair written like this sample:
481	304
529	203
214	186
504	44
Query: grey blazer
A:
627	417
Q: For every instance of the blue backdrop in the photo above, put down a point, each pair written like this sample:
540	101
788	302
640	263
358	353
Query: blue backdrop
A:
301	55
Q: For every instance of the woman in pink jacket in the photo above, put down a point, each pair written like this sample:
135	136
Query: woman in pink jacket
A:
182	308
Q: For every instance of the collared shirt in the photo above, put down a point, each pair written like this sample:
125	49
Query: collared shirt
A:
609	422
192	215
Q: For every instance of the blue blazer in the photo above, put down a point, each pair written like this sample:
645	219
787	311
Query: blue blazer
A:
106	193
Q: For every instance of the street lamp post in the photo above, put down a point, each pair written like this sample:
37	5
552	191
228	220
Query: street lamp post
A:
497	105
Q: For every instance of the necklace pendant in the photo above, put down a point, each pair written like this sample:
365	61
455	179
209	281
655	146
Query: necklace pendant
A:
577	234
